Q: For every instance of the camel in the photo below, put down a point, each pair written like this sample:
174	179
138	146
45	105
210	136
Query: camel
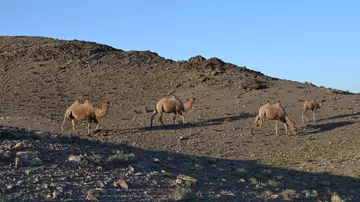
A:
311	105
86	111
274	112
171	105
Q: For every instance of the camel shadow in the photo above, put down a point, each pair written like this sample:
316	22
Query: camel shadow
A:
319	128
342	116
209	122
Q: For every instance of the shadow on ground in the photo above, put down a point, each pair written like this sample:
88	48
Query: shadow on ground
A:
209	122
234	180
354	115
319	128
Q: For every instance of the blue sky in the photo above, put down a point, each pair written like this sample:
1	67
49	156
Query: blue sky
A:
316	41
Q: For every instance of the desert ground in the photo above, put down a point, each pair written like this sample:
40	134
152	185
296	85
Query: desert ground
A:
212	157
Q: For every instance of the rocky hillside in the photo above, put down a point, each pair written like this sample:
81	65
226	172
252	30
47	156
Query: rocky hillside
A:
212	157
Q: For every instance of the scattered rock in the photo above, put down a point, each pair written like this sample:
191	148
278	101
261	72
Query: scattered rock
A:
225	194
17	146
184	137
123	184
27	158
74	160
91	197
186	178
252	84
7	155
179	181
154	182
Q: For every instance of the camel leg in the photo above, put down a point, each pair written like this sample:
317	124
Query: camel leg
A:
307	119
174	118
152	118
97	124
302	118
252	128
304	115
286	129
260	125
314	116
73	126
160	119
89	126
276	126
62	126
182	116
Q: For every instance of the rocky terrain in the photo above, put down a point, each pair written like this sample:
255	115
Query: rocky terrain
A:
213	157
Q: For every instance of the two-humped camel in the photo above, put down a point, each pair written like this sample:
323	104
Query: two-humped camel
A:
171	105
274	112
311	105
86	111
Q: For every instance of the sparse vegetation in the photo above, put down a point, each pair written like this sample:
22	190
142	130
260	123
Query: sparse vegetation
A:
121	157
289	194
183	194
336	198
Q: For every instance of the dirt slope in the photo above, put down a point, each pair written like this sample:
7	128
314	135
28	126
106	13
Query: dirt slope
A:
41	77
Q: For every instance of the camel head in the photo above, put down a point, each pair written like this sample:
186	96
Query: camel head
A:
102	112
105	105
291	124
190	99
189	103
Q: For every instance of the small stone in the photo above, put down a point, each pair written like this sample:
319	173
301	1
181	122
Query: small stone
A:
91	197
7	155
156	160
9	187
36	161
153	173
131	169
55	194
101	184
17	146
60	189
123	184
74	160
184	137
179	181
186	178
49	197
23	155
17	162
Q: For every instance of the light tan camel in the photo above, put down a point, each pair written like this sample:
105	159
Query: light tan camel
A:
311	105
86	111
274	112
171	105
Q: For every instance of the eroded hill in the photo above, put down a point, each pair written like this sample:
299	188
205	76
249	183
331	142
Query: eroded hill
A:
41	77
